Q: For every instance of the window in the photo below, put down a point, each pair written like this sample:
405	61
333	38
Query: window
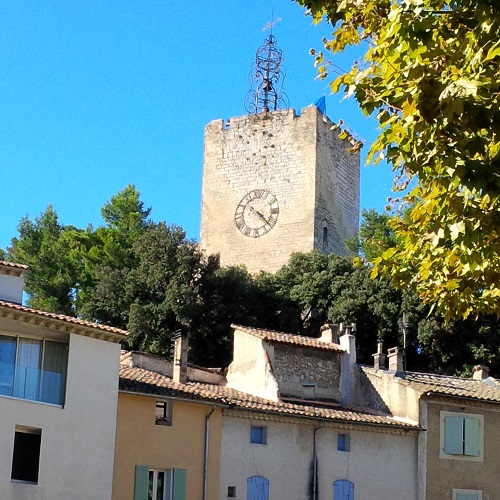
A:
257	488
467	494
343	490
159	484
309	390
33	369
343	442
26	455
163	413
231	492
325	239
461	436
258	435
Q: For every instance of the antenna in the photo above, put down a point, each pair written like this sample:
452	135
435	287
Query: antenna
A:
403	325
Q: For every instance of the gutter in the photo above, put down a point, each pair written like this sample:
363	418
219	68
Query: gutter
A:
315	465
205	459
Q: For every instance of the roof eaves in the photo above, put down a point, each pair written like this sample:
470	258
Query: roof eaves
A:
62	323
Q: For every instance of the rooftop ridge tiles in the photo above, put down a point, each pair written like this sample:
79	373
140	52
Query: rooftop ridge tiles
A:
288	338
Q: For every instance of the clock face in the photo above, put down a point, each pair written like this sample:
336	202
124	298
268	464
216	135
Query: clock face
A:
257	213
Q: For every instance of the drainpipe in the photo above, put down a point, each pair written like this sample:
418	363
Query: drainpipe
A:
205	463
315	465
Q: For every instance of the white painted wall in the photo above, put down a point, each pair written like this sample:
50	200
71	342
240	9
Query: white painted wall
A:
77	447
251	368
11	288
381	466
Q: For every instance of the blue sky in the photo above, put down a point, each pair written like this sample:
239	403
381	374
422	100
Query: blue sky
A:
97	94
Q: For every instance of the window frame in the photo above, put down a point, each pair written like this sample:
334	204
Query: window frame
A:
168	480
20	459
442	436
165	418
344	442
263	434
41	363
457	491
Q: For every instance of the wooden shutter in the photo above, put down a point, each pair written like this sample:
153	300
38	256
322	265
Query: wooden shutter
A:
141	482
471	442
257	488
179	484
454	435
343	490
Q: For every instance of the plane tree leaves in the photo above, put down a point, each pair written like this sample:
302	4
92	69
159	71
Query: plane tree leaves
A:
431	77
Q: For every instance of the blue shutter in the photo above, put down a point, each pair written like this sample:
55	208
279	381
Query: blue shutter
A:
454	435
179	484
471	445
141	482
343	490
257	488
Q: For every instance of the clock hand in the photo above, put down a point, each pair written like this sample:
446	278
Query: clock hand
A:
261	216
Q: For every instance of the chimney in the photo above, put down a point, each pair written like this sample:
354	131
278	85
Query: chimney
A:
348	360
12	281
180	341
379	357
329	333
480	372
395	355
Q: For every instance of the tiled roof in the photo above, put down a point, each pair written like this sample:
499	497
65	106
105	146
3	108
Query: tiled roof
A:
453	386
288	338
143	381
7	307
12	264
426	383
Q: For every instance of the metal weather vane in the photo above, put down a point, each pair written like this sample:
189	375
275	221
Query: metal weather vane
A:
266	79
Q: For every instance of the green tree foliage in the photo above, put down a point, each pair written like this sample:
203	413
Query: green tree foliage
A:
47	247
374	236
327	288
431	77
452	347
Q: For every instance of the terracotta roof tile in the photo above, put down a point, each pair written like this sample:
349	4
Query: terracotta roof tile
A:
13	264
288	338
426	383
61	317
454	386
143	381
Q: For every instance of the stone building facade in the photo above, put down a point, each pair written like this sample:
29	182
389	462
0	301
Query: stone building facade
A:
277	184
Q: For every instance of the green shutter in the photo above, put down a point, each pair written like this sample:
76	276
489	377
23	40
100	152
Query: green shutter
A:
467	496
179	484
454	435
141	482
471	445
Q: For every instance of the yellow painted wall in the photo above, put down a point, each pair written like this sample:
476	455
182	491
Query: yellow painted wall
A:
140	442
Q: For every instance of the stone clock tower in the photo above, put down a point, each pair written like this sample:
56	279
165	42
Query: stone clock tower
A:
275	182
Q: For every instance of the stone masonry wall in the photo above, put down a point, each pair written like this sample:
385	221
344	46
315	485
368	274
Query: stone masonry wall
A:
279	155
307	373
337	190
